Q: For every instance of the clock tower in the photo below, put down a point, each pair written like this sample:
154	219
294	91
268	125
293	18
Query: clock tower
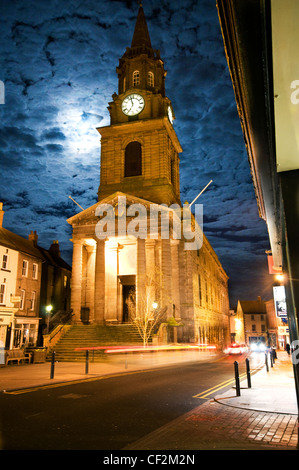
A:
140	149
119	274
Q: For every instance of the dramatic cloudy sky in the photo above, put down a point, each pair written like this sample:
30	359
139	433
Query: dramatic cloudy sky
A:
58	60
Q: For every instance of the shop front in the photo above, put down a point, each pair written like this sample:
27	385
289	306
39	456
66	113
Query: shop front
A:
6	325
25	332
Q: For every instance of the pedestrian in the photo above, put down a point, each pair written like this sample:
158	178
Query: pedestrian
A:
288	348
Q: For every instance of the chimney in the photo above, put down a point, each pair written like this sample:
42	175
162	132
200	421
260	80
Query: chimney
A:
54	249
259	299
1	213
33	237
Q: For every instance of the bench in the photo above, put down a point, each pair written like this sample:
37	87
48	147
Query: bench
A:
17	355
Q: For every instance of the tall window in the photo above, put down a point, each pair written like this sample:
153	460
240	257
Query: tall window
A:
133	159
34	271
199	289
33	297
25	268
2	294
150	79
22	303
136	78
5	262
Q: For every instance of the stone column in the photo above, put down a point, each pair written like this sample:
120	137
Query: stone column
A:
90	280
166	267
111	269
141	275
175	274
76	281
152	270
99	283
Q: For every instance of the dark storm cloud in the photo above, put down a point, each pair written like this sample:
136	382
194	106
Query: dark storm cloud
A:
58	61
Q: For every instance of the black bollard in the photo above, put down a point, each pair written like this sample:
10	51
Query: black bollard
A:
271	359
52	365
248	373
87	361
266	362
236	364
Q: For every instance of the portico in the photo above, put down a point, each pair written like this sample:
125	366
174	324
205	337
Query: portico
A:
110	270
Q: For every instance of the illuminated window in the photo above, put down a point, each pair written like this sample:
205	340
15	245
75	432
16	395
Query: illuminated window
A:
150	79
133	159
136	78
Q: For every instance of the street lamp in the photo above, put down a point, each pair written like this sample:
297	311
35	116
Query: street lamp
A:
48	310
279	277
155	305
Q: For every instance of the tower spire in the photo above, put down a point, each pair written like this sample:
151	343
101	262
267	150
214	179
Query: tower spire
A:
141	35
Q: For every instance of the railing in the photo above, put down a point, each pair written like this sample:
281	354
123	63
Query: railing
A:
51	339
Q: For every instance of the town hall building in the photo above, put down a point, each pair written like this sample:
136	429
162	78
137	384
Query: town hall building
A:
127	261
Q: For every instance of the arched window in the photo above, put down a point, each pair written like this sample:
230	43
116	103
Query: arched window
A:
136	78
133	159
150	79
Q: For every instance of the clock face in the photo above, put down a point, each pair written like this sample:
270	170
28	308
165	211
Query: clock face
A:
132	104
170	115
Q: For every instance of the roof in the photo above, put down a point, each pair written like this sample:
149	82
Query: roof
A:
16	242
50	258
253	306
141	35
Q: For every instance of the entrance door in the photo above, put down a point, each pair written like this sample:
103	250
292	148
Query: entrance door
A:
128	291
128	302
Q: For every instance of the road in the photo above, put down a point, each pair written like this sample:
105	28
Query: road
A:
112	412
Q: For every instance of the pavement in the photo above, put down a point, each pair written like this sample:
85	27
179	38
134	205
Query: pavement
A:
263	417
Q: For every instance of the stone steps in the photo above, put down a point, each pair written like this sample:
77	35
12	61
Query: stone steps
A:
88	336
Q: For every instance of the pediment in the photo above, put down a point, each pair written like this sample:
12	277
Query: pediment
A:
88	217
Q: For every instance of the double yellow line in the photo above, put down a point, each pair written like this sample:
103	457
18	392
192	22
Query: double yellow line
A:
226	383
217	387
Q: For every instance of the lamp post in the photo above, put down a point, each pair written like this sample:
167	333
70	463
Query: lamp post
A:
48	310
